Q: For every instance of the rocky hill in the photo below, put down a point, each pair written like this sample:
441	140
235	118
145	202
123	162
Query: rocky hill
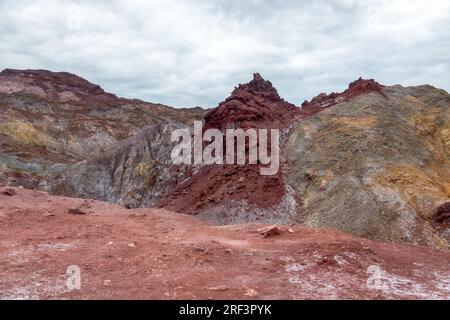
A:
372	161
376	165
235	193
49	120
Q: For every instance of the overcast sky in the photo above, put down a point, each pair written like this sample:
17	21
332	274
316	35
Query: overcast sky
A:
193	53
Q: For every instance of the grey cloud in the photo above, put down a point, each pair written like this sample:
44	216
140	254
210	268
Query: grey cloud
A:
189	53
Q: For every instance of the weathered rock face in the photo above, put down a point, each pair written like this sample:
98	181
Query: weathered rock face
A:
234	193
377	165
49	120
356	88
136	172
255	104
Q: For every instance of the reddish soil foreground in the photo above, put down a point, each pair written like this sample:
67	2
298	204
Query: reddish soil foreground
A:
157	254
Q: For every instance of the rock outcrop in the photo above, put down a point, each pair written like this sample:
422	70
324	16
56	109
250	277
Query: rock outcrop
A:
376	165
227	194
356	88
50	120
255	104
136	172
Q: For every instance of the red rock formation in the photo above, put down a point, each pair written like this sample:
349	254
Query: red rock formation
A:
252	105
355	89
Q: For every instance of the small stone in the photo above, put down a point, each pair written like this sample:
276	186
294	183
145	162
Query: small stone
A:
76	211
107	283
219	288
270	232
196	248
9	192
131	245
110	243
87	204
48	214
251	292
327	262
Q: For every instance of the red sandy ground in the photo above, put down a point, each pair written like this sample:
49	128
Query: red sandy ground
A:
157	254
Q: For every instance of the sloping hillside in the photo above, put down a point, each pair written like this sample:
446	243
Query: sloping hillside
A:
52	119
376	166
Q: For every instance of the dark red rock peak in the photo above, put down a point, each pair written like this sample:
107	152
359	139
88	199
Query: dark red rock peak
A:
255	104
258	86
355	89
